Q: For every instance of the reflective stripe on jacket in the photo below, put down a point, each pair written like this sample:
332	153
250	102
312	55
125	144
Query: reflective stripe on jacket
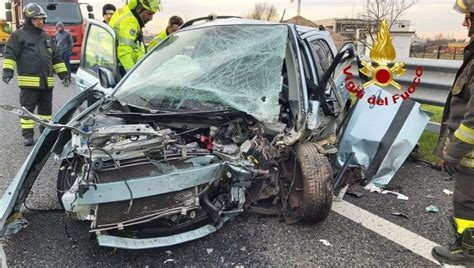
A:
33	54
458	117
127	27
157	39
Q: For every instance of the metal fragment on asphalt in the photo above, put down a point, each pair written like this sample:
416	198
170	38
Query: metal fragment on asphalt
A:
325	242
399	195
168	260
448	192
399	214
356	194
432	209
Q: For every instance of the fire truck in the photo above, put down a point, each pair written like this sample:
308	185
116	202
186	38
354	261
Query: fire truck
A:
5	31
66	11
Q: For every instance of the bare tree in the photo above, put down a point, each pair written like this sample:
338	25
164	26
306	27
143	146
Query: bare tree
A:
377	10
263	11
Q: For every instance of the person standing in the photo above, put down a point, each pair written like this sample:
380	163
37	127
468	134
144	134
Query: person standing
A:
173	25
127	23
65	44
108	11
35	57
456	146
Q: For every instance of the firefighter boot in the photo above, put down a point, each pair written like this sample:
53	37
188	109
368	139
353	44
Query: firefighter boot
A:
461	252
28	140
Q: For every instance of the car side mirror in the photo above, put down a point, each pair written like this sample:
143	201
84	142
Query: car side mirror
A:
91	16
106	78
90	8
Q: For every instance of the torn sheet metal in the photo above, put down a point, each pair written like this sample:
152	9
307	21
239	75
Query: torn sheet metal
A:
381	136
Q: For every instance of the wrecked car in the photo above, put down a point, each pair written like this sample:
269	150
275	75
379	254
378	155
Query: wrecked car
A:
224	116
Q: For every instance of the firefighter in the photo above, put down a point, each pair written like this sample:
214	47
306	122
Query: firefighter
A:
173	25
457	134
108	11
127	23
35	57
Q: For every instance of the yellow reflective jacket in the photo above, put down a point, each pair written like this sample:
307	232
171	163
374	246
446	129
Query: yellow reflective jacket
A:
127	27
157	39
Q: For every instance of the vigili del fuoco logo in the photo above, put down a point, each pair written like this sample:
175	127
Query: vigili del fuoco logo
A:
383	72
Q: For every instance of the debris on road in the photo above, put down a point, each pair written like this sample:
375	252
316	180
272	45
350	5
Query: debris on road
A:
429	196
243	249
399	195
448	192
399	214
340	195
209	250
168	260
325	242
432	209
169	252
355	193
373	188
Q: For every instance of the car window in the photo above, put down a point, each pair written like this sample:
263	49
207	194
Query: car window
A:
307	70
99	49
211	68
322	56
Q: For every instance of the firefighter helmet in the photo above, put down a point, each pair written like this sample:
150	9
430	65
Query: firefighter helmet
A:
464	6
33	10
151	5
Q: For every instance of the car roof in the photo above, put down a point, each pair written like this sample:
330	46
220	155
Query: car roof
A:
244	21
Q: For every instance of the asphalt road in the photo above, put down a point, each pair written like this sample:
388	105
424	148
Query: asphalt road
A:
247	240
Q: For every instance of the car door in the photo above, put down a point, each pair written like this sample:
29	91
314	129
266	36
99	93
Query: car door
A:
98	50
377	138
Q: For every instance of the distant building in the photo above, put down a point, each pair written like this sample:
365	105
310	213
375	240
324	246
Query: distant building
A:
357	29
349	28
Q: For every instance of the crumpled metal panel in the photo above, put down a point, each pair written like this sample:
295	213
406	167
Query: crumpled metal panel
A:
368	126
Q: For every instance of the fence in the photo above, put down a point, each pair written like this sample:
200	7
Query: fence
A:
436	52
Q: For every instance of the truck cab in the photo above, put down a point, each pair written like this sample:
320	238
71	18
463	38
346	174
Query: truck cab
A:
5	31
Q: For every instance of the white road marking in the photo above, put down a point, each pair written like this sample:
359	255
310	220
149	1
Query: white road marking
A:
407	239
3	257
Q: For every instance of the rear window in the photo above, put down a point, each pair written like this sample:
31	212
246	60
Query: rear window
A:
67	13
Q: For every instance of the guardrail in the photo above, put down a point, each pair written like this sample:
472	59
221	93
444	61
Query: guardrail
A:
438	77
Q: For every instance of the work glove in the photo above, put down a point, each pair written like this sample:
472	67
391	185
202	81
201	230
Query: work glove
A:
449	167
7	76
66	81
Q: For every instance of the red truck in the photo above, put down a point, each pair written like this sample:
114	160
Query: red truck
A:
66	11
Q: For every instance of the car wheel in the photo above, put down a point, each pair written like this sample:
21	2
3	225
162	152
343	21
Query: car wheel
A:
317	181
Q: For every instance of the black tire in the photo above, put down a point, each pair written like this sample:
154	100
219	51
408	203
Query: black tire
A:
317	182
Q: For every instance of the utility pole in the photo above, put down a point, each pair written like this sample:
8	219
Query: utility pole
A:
299	8
298	12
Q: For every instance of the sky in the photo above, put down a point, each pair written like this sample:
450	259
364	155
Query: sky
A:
428	17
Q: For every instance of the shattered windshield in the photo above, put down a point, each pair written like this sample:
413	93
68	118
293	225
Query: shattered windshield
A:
213	68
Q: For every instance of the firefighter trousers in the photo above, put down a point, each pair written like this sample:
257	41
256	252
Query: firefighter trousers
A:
463	198
32	99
